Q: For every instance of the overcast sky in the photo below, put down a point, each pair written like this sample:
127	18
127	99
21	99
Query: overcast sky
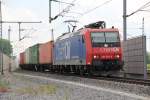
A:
37	10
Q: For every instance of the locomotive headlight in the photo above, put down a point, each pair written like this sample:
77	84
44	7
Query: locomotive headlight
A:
117	56
89	63
105	45
95	57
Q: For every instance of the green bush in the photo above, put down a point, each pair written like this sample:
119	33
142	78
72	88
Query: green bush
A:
148	68
148	58
7	47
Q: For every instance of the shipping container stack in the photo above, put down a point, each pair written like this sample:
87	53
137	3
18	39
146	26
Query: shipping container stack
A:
38	57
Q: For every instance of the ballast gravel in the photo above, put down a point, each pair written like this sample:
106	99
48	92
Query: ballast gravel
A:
34	87
119	86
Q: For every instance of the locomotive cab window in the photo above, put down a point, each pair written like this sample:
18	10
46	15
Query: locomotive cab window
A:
99	39
111	37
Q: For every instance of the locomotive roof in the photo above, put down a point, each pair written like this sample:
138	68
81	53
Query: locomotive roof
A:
67	35
80	32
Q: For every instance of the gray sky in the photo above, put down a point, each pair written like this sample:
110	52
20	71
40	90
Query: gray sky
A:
37	10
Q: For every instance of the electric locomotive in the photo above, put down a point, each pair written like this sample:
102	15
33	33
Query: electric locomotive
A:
92	48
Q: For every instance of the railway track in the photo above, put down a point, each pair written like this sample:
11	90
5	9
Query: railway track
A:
113	79
126	80
120	79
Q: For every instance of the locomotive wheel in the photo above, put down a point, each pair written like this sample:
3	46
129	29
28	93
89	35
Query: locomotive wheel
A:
89	72
35	68
40	69
81	71
53	68
61	70
78	70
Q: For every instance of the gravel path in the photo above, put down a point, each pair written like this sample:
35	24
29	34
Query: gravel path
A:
118	86
27	87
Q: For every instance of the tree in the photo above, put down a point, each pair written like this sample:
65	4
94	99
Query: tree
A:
7	47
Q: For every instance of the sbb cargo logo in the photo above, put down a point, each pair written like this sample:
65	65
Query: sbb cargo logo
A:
110	49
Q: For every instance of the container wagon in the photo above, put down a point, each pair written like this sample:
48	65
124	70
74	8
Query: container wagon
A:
22	60
31	58
45	55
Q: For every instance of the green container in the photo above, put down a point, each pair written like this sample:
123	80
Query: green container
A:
34	54
27	56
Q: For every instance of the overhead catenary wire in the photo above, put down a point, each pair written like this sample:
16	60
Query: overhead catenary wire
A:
65	10
79	14
148	38
146	5
90	10
63	2
145	10
140	9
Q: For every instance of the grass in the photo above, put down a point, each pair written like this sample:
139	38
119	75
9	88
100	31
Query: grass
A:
4	86
66	97
42	89
148	68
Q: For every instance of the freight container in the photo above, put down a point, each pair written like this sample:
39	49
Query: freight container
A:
27	53
22	58
45	53
34	54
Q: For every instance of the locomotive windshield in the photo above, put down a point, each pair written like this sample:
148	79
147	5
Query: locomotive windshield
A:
98	37
111	37
101	38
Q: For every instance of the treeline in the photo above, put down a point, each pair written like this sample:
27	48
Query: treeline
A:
148	57
7	47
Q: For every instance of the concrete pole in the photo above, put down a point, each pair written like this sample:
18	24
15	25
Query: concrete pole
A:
145	54
0	37
9	30
50	4
124	20
1	31
19	23
49	11
52	34
143	27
